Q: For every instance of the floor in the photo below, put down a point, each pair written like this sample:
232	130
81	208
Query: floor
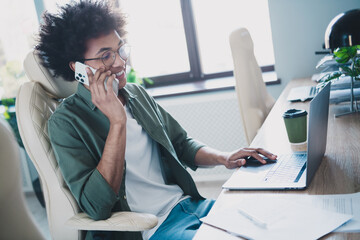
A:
209	189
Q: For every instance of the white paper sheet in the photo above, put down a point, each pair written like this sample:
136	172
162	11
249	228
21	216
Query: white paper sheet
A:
340	203
286	218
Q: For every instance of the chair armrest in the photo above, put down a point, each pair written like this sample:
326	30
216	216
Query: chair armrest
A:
119	221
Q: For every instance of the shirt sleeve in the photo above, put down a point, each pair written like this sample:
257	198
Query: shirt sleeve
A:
185	146
92	192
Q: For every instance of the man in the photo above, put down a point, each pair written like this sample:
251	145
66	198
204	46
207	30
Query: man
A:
121	151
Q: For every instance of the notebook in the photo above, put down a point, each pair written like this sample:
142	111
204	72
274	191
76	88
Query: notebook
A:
295	170
302	93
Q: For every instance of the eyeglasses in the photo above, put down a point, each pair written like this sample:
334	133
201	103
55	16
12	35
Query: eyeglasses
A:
108	57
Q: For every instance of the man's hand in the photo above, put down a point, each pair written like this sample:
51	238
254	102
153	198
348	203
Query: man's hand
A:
237	158
107	101
111	164
207	156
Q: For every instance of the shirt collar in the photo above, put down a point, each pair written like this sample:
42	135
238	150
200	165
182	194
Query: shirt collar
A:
126	93
85	94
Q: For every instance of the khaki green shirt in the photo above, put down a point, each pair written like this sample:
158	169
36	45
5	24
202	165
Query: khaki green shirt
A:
78	132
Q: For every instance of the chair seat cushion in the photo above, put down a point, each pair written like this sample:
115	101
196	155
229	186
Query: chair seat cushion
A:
119	221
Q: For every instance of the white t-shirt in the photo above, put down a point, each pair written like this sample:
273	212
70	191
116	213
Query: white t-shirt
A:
145	186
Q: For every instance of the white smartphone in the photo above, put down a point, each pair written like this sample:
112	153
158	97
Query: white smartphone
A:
82	77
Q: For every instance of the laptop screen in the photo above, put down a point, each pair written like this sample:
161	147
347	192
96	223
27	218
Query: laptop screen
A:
317	131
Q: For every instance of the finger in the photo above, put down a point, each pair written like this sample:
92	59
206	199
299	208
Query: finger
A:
109	84
256	151
99	72
91	78
263	152
101	80
267	153
255	154
96	77
102	76
236	163
240	162
89	74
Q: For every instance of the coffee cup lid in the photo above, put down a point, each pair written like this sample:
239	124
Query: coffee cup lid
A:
293	113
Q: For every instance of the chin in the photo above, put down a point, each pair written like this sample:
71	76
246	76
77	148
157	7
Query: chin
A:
122	83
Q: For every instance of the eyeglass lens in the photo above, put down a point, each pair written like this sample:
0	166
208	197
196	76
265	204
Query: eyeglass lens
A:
109	57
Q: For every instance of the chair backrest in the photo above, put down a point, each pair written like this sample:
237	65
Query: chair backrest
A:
35	102
254	101
15	218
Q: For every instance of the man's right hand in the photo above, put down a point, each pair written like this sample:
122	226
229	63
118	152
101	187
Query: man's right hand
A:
107	101
111	164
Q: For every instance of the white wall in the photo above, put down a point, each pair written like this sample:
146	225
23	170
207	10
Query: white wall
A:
298	29
212	118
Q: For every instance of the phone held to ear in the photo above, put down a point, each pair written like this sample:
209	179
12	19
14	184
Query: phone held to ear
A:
82	77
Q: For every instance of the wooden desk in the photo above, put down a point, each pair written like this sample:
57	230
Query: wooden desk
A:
339	172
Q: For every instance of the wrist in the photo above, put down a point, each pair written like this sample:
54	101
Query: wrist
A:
117	126
117	122
222	158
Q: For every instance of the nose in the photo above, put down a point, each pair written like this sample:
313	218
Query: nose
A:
119	62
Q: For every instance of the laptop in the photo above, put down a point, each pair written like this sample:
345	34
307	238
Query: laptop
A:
302	93
340	91
294	170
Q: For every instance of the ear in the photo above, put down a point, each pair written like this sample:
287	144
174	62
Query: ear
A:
72	66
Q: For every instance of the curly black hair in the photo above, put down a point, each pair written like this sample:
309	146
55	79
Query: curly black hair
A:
63	35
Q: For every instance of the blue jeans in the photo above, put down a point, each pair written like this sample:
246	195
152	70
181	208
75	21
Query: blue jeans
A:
183	221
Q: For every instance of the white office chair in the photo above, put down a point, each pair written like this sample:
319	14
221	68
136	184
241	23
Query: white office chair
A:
254	101
15	219
36	101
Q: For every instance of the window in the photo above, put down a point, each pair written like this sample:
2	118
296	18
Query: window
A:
19	23
215	20
17	26
157	37
187	40
173	41
52	5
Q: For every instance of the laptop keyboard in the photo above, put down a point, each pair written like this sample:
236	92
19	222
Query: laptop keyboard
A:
313	91
289	168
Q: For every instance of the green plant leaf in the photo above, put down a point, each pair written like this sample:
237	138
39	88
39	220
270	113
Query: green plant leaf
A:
139	81
343	59
356	72
148	81
344	54
8	101
131	76
352	51
357	63
330	76
347	70
6	113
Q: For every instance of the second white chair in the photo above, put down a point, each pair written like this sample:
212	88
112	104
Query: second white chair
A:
15	217
254	101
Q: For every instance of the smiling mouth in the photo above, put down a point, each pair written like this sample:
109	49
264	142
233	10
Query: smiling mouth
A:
120	74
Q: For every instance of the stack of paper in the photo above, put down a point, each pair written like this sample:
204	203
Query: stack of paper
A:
340	203
288	216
